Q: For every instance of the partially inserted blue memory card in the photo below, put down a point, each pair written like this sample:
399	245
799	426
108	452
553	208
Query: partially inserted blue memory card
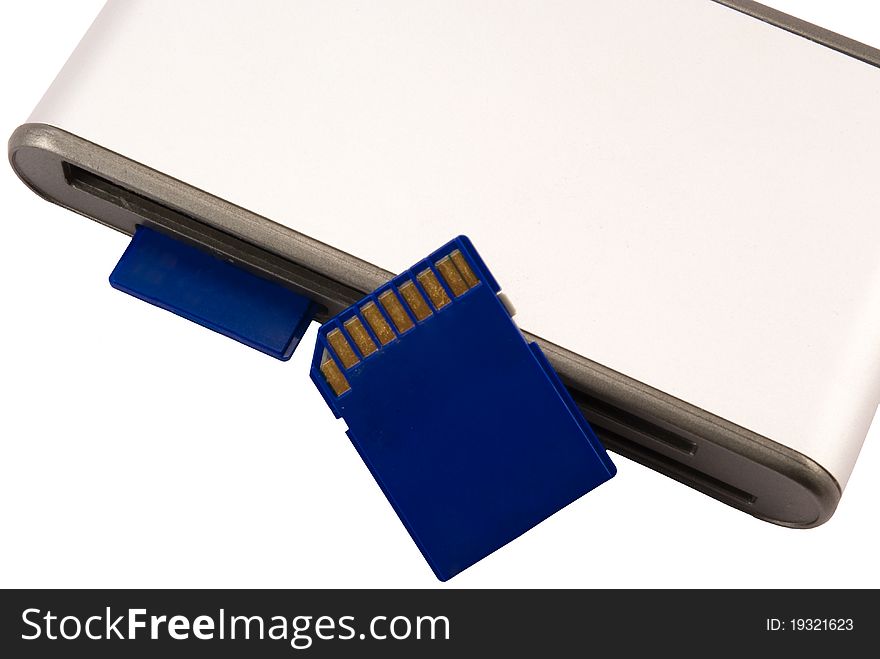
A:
214	293
463	423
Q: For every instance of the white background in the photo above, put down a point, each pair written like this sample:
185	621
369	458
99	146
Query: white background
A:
139	450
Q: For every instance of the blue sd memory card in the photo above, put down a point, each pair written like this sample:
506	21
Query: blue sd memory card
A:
462	422
216	294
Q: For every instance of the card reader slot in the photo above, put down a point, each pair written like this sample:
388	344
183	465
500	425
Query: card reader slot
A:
632	436
609	416
327	294
673	468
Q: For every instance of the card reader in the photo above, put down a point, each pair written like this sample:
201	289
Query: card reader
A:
681	196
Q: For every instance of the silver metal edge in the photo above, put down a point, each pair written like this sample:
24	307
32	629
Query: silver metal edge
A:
802	28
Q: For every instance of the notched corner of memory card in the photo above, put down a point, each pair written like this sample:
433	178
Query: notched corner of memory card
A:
388	314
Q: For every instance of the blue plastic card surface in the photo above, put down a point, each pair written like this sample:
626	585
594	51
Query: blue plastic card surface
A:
213	293
462	422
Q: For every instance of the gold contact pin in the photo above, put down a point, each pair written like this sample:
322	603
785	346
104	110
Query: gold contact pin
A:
342	348
414	299
464	268
377	323
452	276
395	311
433	288
334	376
360	336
